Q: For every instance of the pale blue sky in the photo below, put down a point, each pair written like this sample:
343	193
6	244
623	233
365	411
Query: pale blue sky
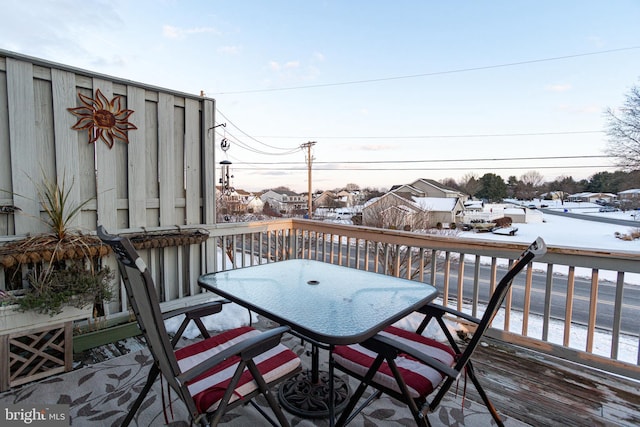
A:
339	73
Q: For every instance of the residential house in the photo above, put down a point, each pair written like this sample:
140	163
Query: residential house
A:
343	198
424	203
403	211
254	204
554	195
593	197
284	201
629	198
429	188
227	201
349	198
326	199
233	201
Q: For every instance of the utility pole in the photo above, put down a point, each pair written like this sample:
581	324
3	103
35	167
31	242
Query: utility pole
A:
309	160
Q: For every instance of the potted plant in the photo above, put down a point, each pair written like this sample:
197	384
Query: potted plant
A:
55	270
54	278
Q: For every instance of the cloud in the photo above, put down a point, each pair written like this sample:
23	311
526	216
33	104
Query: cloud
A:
176	33
230	50
276	66
170	32
114	60
559	87
296	71
51	31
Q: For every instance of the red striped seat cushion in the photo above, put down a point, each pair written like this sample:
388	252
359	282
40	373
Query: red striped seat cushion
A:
420	378
208	389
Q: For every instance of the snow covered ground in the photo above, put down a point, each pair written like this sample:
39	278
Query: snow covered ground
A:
574	233
562	231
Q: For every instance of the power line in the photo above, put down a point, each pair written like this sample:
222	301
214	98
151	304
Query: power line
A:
479	135
436	73
289	150
247	147
488	159
466	168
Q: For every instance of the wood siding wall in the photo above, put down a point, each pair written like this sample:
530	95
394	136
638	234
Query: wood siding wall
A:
163	177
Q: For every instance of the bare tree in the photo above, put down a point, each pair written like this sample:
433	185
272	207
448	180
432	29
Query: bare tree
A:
565	184
532	178
470	183
396	259
451	183
528	185
624	131
397	213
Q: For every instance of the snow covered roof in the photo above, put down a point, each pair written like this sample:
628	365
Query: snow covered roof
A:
371	201
514	211
631	191
440	204
474	205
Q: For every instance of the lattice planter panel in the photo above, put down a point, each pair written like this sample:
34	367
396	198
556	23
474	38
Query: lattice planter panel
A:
35	354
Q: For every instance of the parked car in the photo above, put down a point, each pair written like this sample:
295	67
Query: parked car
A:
608	209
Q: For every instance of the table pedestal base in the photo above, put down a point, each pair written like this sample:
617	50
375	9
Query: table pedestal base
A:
301	396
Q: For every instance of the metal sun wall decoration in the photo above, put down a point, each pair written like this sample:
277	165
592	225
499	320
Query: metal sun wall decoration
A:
102	119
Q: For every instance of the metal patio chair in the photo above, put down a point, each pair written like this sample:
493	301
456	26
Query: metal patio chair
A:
210	376
411	367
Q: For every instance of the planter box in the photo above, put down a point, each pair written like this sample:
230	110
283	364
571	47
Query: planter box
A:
34	346
12	320
108	335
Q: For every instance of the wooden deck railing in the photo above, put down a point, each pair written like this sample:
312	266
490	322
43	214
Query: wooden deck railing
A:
550	307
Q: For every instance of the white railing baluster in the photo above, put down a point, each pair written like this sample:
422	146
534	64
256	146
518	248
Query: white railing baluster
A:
546	317
507	304
446	268
568	311
527	300
460	292
617	316
593	304
476	287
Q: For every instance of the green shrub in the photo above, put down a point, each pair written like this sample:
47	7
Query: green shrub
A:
72	286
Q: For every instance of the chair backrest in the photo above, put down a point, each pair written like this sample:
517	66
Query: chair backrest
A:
143	298
536	249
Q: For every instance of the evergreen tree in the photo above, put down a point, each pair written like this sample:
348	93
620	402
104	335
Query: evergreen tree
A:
492	188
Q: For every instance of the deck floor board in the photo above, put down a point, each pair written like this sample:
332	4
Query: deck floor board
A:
543	390
535	388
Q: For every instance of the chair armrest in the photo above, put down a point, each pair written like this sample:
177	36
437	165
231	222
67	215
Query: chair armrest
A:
390	347
196	311
435	310
246	349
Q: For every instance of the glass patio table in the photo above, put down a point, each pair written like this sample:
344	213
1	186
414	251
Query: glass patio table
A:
326	304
